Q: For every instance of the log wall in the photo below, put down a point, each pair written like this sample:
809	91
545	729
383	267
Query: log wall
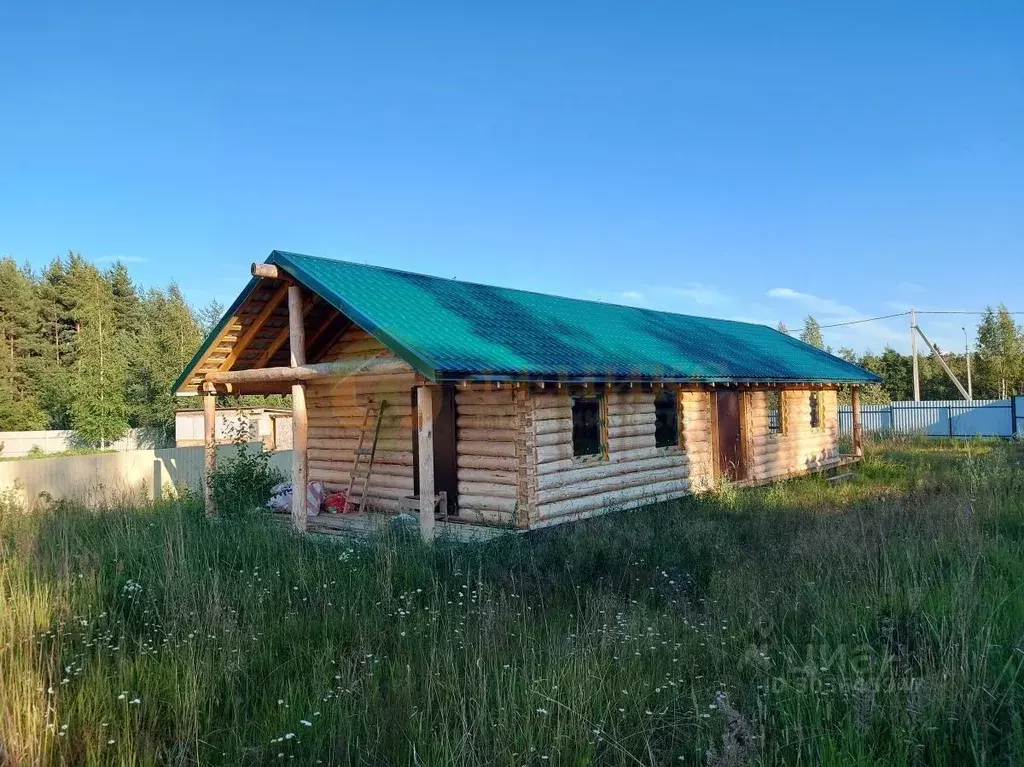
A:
633	471
336	408
799	447
489	452
695	424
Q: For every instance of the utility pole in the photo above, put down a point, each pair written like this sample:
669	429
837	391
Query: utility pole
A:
913	352
967	351
938	357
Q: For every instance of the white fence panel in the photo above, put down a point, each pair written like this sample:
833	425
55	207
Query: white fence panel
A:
98	477
936	418
20	443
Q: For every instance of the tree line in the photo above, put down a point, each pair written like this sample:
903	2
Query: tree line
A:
997	363
87	349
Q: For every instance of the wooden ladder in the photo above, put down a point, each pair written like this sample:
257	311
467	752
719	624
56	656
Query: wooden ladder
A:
375	412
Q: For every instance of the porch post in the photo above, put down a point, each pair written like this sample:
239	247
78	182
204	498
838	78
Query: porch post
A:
209	450
297	344
425	416
858	436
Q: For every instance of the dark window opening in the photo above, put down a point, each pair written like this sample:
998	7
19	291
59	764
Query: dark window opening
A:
666	420
773	404
815	402
586	426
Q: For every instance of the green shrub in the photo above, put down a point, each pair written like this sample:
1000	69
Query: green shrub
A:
242	484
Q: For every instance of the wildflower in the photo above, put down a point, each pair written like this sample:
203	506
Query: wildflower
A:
542	711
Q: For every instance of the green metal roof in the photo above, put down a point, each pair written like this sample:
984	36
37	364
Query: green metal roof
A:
452	330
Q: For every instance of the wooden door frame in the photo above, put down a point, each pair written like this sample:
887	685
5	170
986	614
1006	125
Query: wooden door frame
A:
743	431
716	468
452	493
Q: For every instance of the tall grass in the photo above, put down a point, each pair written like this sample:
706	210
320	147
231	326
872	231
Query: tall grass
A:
881	620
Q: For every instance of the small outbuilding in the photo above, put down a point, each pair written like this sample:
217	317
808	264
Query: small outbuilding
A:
471	404
272	427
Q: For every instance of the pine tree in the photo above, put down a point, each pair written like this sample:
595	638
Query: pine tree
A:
811	334
210	315
127	303
19	349
781	327
129	326
56	308
170	339
98	409
895	371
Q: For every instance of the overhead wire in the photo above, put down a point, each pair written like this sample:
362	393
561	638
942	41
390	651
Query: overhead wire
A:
891	316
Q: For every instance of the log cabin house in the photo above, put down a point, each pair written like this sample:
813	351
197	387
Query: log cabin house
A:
480	405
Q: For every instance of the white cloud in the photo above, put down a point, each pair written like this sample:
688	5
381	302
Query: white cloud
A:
633	297
899	306
813	303
699	293
910	287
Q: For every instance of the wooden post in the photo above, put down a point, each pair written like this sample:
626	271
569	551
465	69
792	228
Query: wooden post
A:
209	450
158	479
858	436
297	343
425	415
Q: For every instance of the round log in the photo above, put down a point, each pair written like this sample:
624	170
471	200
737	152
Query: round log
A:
486	462
476	447
485	435
487	490
491	476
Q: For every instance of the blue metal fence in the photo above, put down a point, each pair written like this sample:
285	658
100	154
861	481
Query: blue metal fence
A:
940	418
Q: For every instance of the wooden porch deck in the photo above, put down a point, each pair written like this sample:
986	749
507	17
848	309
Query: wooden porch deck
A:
361	525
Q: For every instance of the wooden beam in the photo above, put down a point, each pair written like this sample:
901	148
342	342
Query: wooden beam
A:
330	339
858	434
239	390
366	365
425	416
254	328
300	419
271	350
282	336
209	450
268	271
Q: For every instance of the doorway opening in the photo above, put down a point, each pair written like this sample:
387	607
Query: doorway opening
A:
729	435
445	471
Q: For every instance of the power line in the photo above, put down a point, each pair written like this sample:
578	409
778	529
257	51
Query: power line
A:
869	319
851	322
922	311
889	317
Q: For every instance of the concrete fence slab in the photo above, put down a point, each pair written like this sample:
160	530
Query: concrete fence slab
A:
103	476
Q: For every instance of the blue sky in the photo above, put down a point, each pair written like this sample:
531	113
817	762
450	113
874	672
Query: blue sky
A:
747	160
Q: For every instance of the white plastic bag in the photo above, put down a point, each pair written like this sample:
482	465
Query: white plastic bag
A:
281	497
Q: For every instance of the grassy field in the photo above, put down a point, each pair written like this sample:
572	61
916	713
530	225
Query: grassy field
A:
880	620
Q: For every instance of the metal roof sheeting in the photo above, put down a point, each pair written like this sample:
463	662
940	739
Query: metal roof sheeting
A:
450	329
